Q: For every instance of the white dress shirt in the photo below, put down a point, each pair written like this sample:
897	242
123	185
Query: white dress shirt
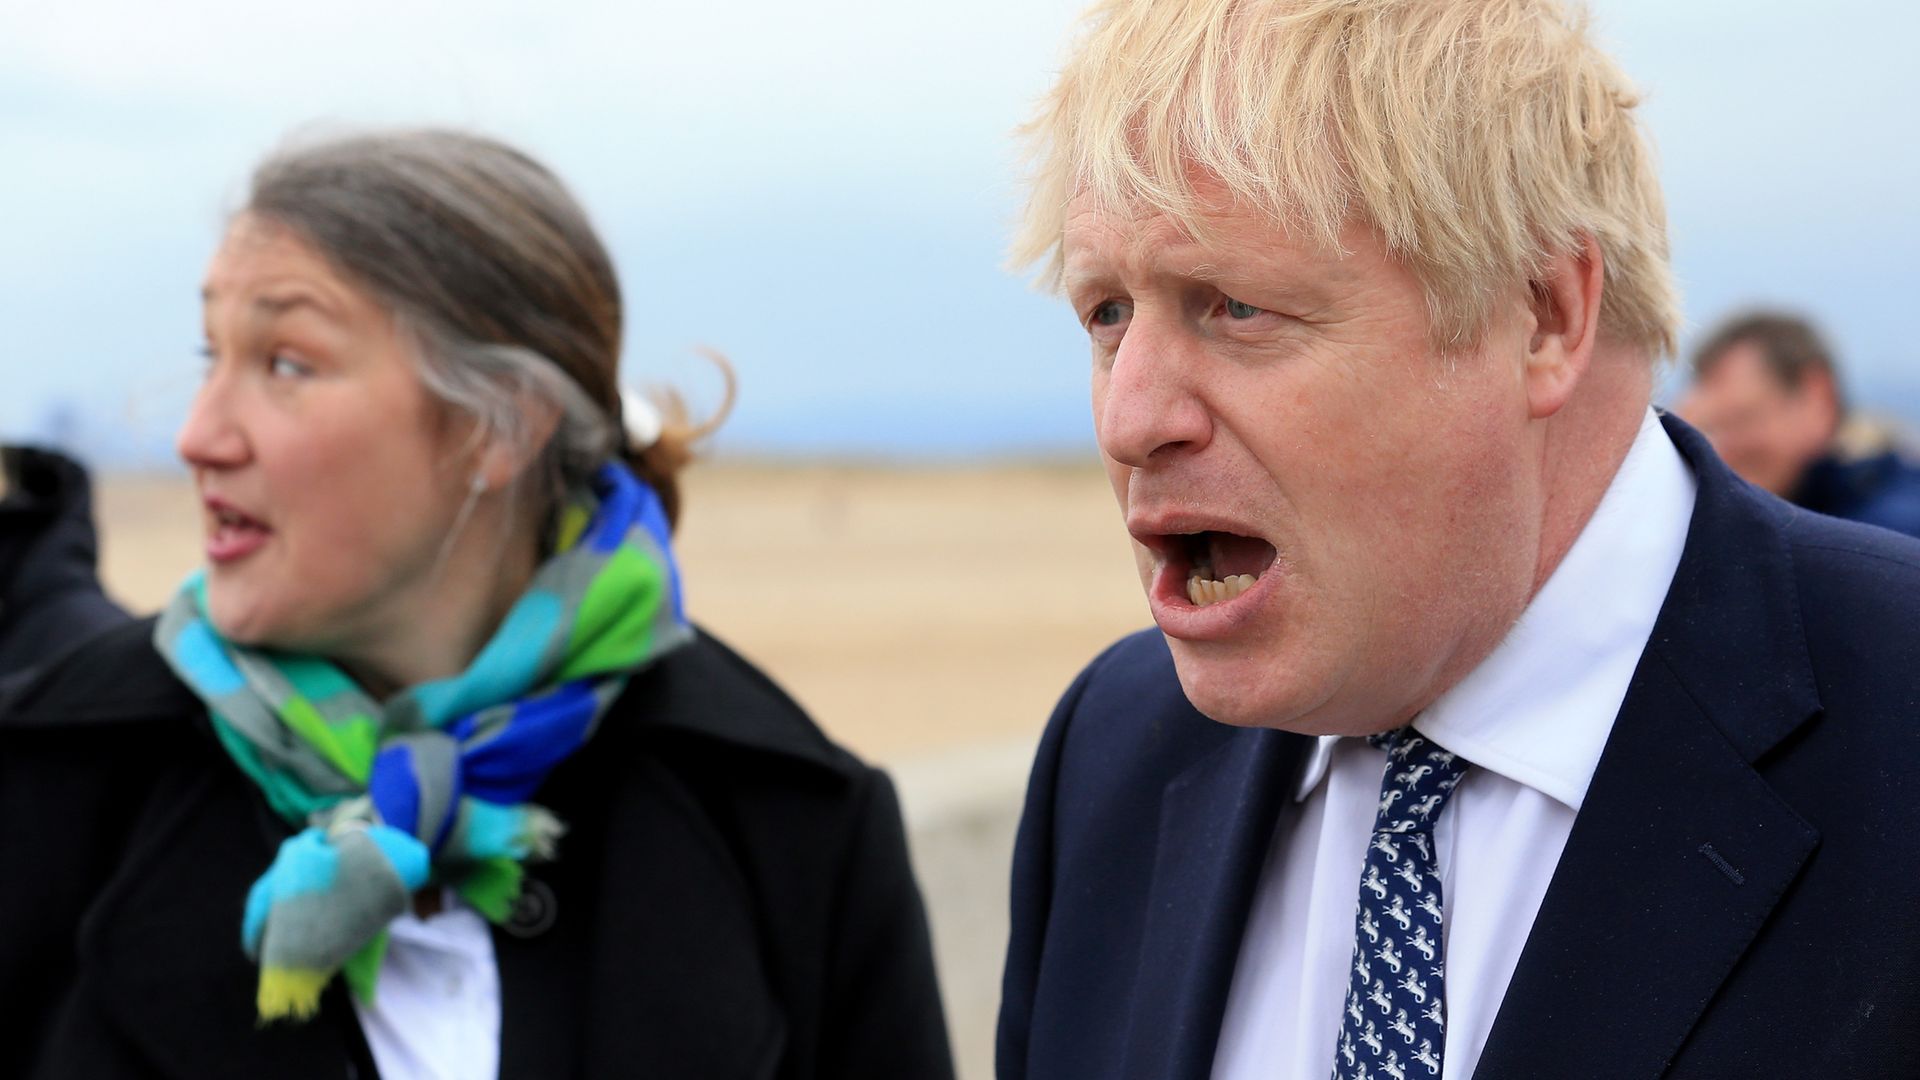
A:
436	1009
1532	718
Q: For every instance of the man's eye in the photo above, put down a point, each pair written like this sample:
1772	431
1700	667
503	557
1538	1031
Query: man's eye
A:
1237	310
1108	313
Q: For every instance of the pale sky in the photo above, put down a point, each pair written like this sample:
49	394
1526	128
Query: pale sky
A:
823	190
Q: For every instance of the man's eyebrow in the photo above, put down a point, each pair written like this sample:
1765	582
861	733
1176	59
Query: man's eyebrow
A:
1219	275
1074	278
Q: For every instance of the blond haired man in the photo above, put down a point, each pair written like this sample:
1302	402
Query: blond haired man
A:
1491	728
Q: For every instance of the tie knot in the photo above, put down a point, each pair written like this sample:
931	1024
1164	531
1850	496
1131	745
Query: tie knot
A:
1420	776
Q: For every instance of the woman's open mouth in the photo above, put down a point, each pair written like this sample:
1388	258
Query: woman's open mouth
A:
232	534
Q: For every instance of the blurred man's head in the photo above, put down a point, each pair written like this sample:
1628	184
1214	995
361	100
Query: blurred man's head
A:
1374	290
1766	395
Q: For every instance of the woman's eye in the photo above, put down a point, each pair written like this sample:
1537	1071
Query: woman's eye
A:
1237	310
1108	313
287	367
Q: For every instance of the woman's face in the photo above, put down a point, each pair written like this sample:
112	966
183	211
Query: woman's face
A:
329	478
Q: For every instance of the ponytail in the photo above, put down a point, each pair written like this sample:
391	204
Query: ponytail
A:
659	444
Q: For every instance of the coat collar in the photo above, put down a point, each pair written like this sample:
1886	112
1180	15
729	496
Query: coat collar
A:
696	691
1682	849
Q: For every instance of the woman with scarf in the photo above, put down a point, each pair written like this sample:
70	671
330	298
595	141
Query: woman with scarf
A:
426	772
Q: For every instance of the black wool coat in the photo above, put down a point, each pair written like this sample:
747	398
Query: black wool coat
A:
50	598
732	898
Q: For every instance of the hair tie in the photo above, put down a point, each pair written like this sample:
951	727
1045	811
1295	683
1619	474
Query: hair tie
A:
642	419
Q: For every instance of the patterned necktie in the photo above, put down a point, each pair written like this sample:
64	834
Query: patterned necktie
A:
1395	1022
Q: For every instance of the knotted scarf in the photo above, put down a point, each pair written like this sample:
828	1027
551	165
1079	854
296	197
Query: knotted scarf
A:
430	786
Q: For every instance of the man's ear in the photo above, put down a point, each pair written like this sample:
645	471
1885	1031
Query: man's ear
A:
1565	303
506	455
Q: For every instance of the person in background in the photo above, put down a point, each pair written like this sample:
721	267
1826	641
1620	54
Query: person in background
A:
50	595
1767	395
1492	727
426	773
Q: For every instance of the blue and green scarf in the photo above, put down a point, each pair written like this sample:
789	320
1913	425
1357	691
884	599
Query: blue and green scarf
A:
430	786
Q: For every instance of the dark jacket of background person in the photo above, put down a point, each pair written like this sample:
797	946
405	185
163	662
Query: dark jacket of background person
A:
50	598
733	898
1736	897
1880	489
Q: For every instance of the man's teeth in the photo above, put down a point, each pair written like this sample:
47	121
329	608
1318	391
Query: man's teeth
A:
1203	591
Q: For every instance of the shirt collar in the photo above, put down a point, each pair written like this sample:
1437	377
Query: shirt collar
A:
1539	708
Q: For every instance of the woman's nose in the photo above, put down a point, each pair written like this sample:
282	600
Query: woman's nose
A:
211	436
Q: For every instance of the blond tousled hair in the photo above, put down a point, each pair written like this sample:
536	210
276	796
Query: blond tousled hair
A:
1479	137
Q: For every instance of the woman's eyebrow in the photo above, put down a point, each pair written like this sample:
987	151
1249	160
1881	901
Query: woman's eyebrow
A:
279	303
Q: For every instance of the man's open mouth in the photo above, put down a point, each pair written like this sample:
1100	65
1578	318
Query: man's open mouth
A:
1220	565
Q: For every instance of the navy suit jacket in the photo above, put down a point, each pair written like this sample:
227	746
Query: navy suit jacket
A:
1739	896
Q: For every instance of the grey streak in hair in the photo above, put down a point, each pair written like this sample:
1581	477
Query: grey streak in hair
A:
489	382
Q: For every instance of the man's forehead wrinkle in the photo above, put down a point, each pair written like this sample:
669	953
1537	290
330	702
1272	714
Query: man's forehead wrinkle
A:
1147	258
1100	243
1241	253
1098	246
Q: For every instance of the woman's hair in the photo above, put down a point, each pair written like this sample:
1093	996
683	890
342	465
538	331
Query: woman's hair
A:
488	261
1480	137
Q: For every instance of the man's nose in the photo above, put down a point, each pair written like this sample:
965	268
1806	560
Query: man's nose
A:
1146	404
211	437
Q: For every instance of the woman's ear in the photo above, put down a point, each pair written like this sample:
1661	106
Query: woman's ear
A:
505	455
1565	304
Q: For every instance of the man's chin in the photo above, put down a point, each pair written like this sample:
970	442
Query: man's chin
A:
1265	692
1235	691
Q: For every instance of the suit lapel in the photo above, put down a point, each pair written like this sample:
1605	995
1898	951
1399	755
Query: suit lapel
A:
1681	849
1216	820
1679	853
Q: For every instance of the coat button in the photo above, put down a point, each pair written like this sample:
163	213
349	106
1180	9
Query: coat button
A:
533	913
